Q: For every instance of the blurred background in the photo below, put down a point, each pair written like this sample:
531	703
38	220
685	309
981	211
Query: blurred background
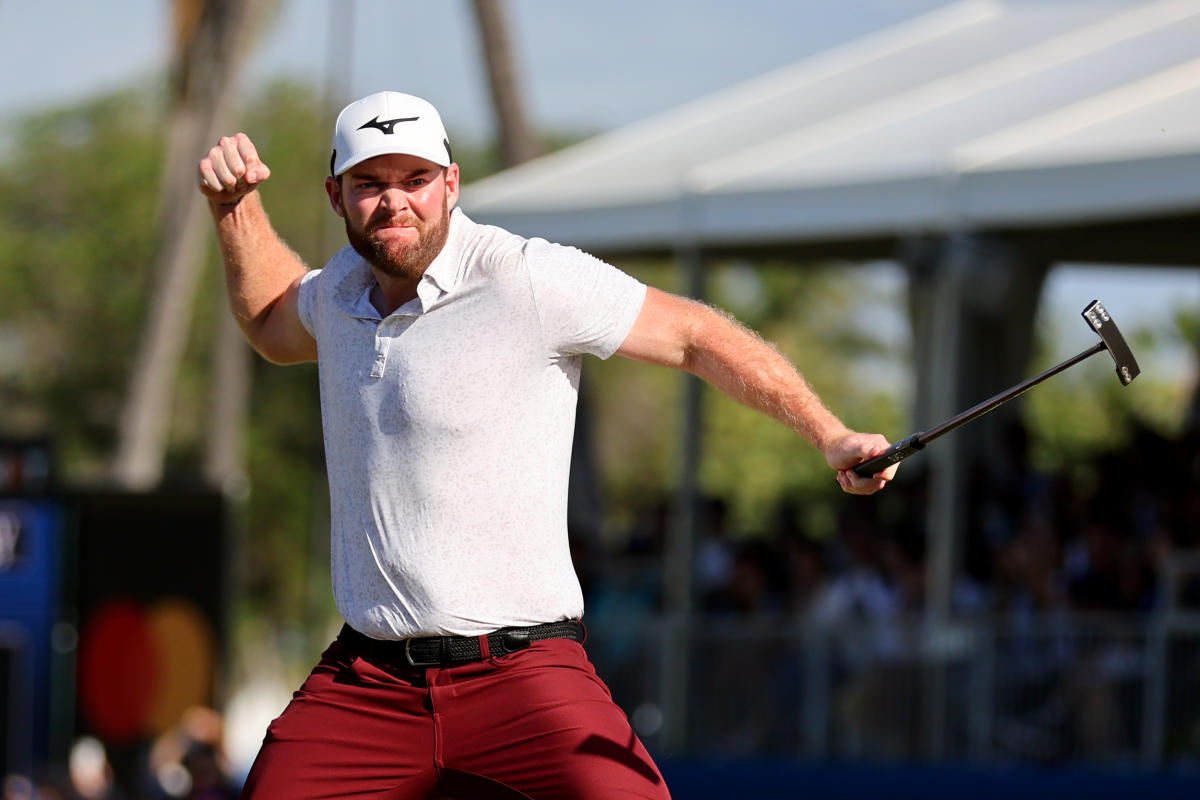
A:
915	199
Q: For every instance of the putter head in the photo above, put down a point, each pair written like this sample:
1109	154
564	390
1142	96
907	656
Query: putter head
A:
1097	316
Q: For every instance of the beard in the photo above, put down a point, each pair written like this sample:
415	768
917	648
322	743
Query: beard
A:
396	259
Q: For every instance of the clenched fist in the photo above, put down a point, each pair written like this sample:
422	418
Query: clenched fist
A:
231	170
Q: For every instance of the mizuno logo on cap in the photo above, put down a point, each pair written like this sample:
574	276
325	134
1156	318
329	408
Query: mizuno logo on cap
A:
387	125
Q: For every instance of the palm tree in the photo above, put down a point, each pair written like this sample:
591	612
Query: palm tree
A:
517	143
211	39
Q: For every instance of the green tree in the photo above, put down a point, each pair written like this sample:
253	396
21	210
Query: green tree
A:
76	242
1085	411
749	460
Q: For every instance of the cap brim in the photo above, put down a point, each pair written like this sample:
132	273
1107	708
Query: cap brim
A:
441	159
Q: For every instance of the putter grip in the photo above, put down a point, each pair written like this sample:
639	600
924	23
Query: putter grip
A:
897	452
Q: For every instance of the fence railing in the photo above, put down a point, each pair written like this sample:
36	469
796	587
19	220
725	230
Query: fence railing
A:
1049	688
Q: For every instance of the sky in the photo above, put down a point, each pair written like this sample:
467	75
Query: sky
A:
586	67
571	55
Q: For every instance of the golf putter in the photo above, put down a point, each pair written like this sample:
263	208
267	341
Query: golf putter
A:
1110	340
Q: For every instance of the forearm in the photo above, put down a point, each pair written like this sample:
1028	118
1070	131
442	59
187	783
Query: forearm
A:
753	372
684	334
259	266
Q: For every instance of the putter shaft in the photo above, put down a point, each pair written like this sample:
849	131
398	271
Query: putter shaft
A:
915	443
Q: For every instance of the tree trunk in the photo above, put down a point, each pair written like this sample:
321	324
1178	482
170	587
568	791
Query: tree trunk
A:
517	144
211	39
228	407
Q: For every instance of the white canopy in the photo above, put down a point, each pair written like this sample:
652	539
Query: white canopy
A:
983	114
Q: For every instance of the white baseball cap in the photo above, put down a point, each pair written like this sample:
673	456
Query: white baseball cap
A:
388	122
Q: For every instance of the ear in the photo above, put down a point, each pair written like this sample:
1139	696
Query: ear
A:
451	186
333	188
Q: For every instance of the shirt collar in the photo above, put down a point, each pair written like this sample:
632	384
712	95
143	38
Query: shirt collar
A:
442	274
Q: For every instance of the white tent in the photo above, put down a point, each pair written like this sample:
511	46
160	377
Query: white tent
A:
983	114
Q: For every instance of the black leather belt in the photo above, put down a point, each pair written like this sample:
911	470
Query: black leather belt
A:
432	651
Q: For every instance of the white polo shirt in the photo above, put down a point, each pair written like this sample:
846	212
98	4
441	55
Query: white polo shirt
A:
448	429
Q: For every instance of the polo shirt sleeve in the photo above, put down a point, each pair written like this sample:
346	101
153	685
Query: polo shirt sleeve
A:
585	305
307	301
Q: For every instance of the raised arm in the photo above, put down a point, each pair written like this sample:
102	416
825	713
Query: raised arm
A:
262	274
675	332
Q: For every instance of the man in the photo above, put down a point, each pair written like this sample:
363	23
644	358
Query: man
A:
449	356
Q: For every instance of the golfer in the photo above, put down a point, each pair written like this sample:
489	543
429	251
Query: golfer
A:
449	356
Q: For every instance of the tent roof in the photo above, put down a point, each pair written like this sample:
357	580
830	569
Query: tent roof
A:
982	114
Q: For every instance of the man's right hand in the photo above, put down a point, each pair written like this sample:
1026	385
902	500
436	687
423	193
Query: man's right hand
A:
231	170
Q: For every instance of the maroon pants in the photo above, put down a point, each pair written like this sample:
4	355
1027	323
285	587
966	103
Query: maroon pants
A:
537	723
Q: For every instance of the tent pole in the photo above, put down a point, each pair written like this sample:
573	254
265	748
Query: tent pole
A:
680	546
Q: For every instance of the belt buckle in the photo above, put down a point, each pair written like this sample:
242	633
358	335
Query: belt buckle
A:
409	658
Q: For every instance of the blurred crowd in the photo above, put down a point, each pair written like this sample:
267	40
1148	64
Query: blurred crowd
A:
1099	539
1060	576
187	762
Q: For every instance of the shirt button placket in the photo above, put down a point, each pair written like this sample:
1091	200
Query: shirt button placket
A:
381	348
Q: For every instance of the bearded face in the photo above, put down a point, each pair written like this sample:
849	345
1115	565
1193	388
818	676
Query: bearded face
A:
393	256
396	209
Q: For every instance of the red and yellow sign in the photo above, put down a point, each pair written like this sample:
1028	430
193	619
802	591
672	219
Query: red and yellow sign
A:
141	666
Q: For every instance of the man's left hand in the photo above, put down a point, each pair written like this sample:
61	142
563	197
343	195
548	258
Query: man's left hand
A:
853	449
